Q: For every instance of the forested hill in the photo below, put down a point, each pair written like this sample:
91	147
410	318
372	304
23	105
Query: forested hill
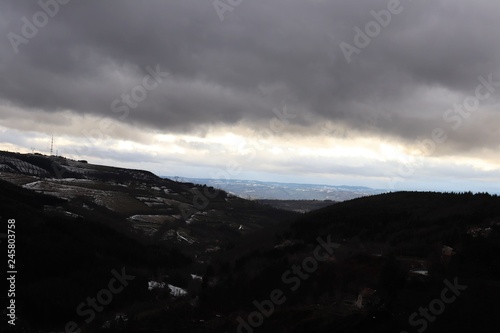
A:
408	221
400	247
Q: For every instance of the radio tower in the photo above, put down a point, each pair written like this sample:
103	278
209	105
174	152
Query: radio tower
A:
52	145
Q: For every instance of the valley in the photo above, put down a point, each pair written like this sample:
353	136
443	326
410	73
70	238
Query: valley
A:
199	259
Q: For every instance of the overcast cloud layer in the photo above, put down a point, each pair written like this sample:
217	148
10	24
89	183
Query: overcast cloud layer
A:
218	76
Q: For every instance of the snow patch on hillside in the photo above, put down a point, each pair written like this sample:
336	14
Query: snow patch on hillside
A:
176	291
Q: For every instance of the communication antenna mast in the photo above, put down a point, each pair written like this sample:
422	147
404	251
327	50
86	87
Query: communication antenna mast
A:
52	145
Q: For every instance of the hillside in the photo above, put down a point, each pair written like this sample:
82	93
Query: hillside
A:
137	202
76	222
215	264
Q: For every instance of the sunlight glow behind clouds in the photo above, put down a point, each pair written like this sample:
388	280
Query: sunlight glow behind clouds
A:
373	160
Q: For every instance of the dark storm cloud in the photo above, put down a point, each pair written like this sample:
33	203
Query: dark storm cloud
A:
262	55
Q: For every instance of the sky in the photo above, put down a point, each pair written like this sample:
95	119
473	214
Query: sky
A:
397	95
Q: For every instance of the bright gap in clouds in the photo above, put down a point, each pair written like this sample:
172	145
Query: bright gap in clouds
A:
236	152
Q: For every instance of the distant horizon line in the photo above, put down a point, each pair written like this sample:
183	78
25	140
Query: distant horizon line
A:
270	182
347	186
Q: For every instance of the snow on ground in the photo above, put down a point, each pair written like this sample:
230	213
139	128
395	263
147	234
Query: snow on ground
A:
70	214
176	291
153	201
155	285
154	204
193	218
60	190
185	238
70	180
196	277
156	219
48	208
35	185
101	201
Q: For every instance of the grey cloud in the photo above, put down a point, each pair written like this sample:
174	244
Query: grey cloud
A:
263	55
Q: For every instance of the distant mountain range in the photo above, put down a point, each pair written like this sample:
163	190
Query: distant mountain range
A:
252	189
